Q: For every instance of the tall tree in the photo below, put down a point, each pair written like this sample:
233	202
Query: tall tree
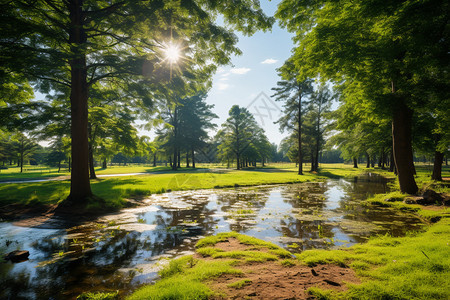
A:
195	119
238	133
292	93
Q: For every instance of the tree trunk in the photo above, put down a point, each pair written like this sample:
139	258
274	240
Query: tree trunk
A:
21	158
403	155
179	159
391	162
80	188
104	165
91	163
175	159
312	160
355	162
368	160
238	162
193	157
187	159
59	166
262	162
170	162
437	166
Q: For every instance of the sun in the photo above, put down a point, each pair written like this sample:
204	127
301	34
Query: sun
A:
172	53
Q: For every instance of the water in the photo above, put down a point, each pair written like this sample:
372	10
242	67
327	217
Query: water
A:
125	250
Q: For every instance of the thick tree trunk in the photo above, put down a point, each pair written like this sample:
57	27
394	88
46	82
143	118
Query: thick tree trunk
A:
355	162
403	155
91	163
104	165
179	159
80	188
437	166
238	162
368	160
193	157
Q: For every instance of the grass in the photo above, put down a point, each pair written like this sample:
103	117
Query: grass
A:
116	189
183	279
188	278
411	267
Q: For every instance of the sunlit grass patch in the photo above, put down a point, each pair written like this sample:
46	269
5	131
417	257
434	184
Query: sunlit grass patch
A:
183	279
413	267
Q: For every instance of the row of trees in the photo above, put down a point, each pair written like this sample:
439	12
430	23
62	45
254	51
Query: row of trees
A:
389	61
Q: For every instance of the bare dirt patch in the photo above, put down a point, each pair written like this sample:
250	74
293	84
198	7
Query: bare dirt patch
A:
272	280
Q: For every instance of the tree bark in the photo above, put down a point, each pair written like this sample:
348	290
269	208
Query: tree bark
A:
179	159
175	159
437	166
355	162
238	162
391	163
91	163
403	155
104	165
80	188
193	157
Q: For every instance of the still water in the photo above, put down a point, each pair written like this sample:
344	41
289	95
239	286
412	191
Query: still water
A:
122	251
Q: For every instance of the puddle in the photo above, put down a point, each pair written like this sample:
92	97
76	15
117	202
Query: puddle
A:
122	251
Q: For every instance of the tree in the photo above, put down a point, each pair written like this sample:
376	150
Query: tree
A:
239	132
74	44
291	92
195	119
394	53
24	148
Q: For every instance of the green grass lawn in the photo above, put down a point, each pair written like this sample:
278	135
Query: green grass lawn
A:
115	189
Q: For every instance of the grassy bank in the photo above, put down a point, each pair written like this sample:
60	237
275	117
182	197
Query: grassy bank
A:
412	267
116	189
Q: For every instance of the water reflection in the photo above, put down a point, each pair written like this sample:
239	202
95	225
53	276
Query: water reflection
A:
121	251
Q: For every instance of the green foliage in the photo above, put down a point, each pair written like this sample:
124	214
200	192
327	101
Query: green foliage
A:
241	138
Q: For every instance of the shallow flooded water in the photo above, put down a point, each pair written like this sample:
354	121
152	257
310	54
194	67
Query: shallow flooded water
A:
122	251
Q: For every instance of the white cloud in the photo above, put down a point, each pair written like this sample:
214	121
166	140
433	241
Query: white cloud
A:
222	86
269	61
240	71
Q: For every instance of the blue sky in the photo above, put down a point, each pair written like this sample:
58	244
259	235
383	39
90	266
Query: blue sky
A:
253	73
